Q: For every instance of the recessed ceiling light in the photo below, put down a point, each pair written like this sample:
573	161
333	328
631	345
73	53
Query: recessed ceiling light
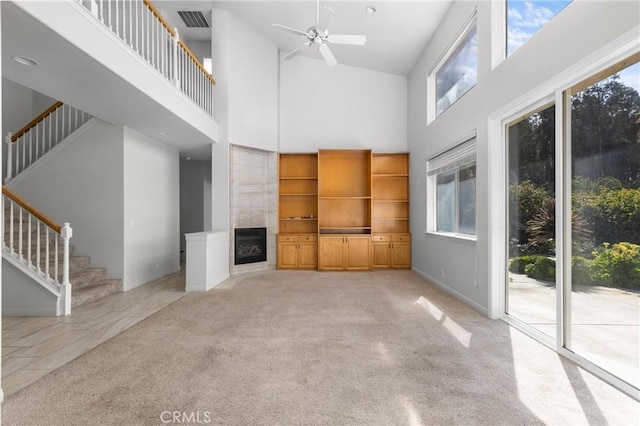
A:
25	61
371	10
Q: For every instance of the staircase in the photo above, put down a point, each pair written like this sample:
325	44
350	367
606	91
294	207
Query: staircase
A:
89	284
37	247
32	242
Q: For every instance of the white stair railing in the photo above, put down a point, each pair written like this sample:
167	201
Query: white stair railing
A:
33	240
38	137
141	26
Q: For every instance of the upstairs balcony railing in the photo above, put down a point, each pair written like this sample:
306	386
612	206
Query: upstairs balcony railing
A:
40	136
139	25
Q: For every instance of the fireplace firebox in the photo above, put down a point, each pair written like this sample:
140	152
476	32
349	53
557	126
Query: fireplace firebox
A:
250	245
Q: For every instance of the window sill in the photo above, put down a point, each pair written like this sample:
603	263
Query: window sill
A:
451	236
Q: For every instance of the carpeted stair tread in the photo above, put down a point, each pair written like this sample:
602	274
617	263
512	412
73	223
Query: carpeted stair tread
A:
87	276
95	292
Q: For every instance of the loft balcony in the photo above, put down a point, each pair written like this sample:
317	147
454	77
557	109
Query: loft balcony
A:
118	61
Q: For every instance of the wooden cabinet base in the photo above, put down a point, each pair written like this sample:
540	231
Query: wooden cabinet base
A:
344	253
391	251
297	251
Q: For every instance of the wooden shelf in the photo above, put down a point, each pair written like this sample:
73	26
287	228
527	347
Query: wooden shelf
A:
298	195
301	218
389	201
344	198
299	178
382	175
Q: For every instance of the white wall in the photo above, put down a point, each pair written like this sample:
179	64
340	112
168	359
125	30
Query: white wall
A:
579	30
253	88
151	209
82	184
195	198
337	107
202	49
21	296
245	64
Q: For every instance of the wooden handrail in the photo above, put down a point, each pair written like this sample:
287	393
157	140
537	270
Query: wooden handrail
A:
35	121
28	207
197	62
157	14
188	51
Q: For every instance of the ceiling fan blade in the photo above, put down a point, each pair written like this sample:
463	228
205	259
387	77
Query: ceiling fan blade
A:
323	20
347	39
327	55
291	30
295	52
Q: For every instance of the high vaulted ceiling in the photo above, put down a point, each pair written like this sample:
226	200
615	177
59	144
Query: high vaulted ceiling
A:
396	34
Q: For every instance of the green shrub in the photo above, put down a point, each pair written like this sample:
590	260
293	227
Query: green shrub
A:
518	264
581	270
525	199
617	265
543	268
614	214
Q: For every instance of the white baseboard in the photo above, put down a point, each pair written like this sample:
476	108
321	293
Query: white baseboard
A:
453	292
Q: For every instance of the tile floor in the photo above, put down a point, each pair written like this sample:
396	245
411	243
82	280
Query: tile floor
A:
34	346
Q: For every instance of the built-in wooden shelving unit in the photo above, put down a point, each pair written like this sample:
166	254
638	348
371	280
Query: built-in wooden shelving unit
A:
344	210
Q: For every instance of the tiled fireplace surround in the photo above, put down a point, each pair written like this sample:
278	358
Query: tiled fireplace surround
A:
254	200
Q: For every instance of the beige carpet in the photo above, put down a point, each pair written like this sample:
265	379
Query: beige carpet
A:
294	348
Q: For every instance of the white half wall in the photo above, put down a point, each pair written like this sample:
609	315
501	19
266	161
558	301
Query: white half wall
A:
151	209
82	183
341	107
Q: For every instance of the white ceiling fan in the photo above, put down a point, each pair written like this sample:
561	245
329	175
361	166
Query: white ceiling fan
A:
319	37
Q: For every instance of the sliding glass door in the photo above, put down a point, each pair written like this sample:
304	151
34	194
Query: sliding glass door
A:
575	281
604	315
531	290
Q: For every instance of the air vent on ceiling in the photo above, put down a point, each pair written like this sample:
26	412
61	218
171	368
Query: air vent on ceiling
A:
194	19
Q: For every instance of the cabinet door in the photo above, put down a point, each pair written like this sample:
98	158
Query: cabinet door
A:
308	255
381	254
358	253
401	255
331	256
287	255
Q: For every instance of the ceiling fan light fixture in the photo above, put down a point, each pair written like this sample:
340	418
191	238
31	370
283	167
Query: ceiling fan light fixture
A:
371	10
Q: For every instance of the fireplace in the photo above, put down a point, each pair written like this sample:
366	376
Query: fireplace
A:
250	245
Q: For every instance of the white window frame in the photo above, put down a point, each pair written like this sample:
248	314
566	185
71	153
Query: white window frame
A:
553	90
460	154
432	100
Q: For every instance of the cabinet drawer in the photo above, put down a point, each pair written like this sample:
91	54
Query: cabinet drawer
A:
401	238
377	238
308	238
287	238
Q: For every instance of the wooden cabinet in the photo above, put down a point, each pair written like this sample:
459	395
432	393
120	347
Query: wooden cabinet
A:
344	210
298	193
391	242
390	193
344	191
391	251
344	252
297	251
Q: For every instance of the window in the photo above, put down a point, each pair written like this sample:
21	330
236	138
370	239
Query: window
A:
452	186
456	72
525	18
